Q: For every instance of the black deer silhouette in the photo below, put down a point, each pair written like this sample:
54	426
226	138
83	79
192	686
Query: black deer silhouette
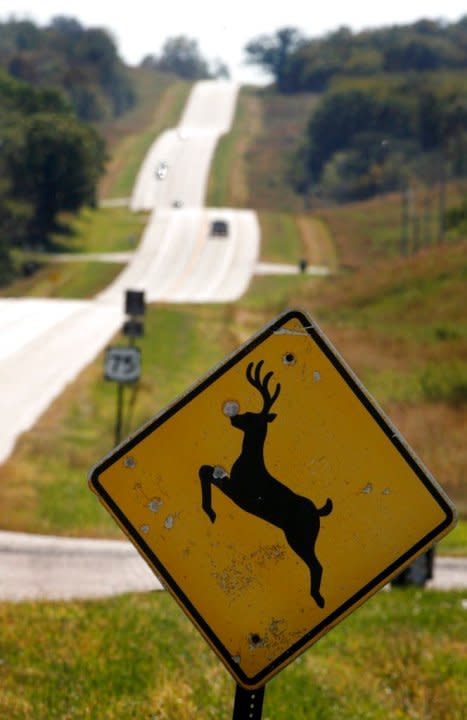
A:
255	490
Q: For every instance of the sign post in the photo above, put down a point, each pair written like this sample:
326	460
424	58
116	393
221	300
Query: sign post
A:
123	364
272	499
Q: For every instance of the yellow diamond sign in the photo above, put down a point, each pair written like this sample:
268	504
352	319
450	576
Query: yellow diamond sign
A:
273	498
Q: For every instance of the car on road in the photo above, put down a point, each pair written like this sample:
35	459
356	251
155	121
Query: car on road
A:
219	228
161	170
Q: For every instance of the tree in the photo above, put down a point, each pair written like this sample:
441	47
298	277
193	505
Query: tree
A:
54	163
219	69
273	52
181	56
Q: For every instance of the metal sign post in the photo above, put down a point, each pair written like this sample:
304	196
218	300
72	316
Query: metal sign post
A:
123	364
248	703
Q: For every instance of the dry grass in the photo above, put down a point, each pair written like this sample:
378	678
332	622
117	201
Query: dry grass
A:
283	120
228	179
317	242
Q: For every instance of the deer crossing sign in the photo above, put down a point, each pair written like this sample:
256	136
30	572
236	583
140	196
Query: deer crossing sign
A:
273	498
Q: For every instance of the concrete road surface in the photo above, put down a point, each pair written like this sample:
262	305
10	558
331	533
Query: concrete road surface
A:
44	345
186	150
34	567
180	261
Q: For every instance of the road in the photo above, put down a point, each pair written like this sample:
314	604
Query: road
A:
46	343
36	567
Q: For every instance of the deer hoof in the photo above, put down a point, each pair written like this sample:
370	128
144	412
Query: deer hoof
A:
319	600
212	516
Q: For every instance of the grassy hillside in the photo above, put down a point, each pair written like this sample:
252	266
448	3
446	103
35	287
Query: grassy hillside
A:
255	155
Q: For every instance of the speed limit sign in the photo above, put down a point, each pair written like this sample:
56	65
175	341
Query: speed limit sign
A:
122	363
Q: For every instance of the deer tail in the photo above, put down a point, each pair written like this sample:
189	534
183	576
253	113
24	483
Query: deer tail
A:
326	509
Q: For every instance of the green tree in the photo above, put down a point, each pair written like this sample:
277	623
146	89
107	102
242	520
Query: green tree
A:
84	63
54	163
273	54
181	56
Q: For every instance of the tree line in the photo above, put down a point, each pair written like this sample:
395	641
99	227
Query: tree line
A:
50	161
83	63
301	64
393	104
56	84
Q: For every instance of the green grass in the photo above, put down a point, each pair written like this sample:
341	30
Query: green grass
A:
456	542
64	280
228	182
114	229
282	123
402	656
281	239
434	381
91	231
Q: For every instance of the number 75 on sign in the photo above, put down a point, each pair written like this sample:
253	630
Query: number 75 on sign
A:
122	364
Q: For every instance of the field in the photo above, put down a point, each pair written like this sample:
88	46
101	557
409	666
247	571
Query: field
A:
402	656
401	325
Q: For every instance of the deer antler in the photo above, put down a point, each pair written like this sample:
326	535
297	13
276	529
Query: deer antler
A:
262	385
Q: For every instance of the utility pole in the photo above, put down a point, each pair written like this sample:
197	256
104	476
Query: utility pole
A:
404	237
441	197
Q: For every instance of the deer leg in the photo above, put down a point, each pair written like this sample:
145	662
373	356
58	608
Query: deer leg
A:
206	478
316	572
302	542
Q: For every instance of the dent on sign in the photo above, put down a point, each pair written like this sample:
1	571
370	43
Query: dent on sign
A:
294	500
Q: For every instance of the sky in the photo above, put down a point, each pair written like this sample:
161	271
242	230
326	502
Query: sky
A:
222	29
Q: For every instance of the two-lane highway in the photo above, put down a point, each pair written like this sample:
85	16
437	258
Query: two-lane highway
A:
44	344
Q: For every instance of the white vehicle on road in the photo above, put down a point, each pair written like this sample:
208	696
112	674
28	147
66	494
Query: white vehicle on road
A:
161	171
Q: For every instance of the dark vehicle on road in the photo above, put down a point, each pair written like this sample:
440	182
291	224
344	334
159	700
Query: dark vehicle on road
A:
219	228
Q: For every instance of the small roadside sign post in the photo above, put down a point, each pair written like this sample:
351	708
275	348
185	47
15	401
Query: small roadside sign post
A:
272	499
122	364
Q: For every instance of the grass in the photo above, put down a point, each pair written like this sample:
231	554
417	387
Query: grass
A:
91	231
250	164
64	280
371	230
456	542
402	656
283	120
281	237
115	229
228	177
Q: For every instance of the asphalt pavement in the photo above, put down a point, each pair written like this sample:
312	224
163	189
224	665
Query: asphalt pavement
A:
44	567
